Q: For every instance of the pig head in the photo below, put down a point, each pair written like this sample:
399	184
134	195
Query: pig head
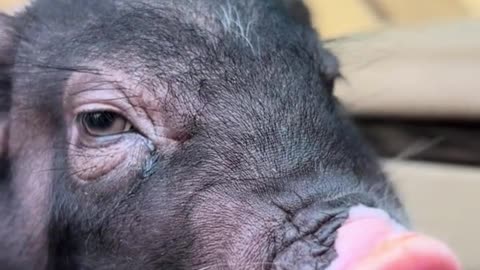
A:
180	134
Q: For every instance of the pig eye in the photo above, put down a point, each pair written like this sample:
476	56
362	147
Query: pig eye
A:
103	123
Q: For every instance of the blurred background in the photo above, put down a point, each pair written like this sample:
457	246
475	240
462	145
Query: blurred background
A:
412	83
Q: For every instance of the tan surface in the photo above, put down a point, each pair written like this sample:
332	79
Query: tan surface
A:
335	18
341	17
473	6
426	71
443	201
414	11
11	5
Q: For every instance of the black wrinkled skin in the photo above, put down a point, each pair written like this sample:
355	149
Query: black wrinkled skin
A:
266	171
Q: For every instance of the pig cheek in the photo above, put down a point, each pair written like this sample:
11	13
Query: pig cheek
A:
232	232
32	182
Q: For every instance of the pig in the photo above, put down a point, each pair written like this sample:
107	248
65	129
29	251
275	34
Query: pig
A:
185	134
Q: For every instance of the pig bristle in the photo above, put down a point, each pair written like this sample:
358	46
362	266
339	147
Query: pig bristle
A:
232	22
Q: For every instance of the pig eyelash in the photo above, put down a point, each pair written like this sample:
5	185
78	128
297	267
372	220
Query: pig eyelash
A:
231	22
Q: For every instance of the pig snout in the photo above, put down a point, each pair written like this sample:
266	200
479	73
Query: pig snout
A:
368	239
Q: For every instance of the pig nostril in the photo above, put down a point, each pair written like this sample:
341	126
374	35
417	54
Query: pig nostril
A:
308	245
307	229
319	252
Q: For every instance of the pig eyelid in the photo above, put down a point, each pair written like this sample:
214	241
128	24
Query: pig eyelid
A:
91	132
117	95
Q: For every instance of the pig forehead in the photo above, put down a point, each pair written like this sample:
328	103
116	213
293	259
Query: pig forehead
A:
240	18
159	40
183	61
156	27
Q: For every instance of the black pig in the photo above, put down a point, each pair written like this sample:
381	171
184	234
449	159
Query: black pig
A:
177	134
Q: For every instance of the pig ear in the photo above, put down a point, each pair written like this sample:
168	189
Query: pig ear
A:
7	51
298	11
330	70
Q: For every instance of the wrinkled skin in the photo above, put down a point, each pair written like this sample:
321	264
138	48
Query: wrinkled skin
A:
238	155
